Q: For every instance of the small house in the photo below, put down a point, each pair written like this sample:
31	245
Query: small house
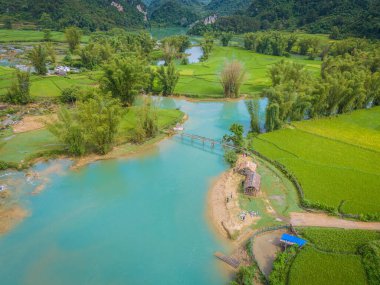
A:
252	184
246	167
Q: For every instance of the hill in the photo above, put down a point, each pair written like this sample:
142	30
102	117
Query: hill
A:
227	7
87	14
350	17
175	12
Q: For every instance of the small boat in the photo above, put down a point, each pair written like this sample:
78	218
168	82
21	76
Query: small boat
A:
178	128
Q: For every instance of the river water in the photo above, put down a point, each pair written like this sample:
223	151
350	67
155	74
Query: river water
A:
133	221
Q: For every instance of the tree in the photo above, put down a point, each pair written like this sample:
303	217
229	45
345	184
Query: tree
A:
236	137
38	56
19	92
335	33
245	276
46	21
253	110
73	37
207	45
8	23
272	121
231	78
125	78
168	77
90	127
169	53
47	35
147	124
225	38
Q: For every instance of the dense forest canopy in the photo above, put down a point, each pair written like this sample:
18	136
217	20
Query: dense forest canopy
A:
87	14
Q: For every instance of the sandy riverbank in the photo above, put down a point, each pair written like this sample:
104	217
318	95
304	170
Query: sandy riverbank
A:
225	216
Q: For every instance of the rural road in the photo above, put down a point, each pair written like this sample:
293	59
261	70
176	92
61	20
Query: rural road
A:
324	220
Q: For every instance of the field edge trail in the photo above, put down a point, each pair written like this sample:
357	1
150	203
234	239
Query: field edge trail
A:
326	221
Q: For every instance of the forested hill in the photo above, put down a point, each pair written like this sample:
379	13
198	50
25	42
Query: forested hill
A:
227	7
361	18
175	12
87	14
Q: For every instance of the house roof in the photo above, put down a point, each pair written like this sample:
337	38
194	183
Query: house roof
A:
289	239
247	165
252	180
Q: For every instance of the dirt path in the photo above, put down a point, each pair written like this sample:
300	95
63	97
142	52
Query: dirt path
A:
265	248
324	220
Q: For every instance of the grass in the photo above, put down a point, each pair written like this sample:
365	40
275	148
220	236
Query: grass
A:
10	36
314	266
330	168
48	86
202	79
281	196
18	147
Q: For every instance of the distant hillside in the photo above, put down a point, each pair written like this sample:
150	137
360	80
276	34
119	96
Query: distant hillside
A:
352	17
175	12
227	7
89	14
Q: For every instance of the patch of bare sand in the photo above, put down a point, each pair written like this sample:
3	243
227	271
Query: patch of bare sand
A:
324	220
10	216
265	247
32	123
225	215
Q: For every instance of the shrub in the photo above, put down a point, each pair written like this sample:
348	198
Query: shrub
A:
282	265
245	276
19	92
230	157
371	261
69	95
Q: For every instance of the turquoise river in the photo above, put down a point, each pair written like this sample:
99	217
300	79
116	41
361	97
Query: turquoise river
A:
140	220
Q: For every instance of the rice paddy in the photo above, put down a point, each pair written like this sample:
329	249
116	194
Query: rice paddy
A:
331	258
331	167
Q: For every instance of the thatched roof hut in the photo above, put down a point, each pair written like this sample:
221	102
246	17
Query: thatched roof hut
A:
252	183
246	167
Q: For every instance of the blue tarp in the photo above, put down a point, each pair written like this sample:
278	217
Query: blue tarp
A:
293	240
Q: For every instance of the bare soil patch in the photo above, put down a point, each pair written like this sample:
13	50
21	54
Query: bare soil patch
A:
324	220
32	123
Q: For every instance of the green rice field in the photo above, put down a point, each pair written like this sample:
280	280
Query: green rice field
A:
202	79
9	36
331	167
48	86
321	263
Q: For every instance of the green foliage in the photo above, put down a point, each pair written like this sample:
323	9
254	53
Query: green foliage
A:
207	45
73	37
231	78
88	15
94	54
230	157
281	266
147	123
125	78
91	127
19	92
253	110
272	121
38	57
168	78
371	261
7	23
236	138
245	276
4	165
225	38
47	35
180	42
70	95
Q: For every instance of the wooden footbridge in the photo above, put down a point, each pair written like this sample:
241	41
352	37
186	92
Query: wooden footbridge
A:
212	142
227	259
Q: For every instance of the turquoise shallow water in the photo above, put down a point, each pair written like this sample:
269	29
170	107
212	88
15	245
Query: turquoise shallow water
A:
129	221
